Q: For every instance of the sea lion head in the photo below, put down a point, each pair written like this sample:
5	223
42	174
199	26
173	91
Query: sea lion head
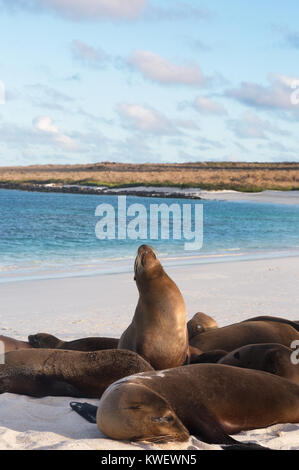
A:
43	340
147	265
132	411
199	323
269	357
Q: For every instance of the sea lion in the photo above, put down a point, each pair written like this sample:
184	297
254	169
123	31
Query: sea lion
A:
46	341
209	401
199	323
10	344
293	323
43	372
269	357
158	331
237	335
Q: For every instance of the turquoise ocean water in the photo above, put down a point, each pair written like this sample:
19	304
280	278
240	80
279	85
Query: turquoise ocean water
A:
55	233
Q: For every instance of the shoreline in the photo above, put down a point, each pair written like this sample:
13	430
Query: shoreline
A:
169	192
110	266
163	192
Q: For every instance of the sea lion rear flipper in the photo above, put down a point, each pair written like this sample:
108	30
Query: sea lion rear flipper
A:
244	446
87	411
208	357
49	386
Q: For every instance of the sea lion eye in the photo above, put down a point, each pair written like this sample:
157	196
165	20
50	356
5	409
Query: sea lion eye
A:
169	418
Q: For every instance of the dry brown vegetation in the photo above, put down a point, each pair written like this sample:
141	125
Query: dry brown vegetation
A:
205	175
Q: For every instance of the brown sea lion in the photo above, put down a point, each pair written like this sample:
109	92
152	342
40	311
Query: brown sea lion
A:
46	341
209	401
158	331
269	357
10	344
42	372
293	323
240	334
199	323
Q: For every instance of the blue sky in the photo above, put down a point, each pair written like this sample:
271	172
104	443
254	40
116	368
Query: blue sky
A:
148	81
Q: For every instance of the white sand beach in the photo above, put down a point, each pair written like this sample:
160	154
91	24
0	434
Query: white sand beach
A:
103	305
268	196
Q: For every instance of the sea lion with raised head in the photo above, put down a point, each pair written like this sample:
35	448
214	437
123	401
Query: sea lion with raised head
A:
158	331
46	341
10	344
209	401
43	372
240	334
269	357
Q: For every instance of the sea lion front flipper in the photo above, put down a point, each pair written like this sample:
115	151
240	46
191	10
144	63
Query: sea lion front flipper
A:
206	427
87	411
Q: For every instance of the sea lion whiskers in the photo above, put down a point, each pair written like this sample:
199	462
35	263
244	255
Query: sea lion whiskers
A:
166	438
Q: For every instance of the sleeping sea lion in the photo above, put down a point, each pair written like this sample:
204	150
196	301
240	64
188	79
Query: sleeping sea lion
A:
269	357
46	341
240	334
42	372
210	401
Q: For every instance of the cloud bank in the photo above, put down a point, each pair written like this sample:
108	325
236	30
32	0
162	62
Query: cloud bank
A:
83	9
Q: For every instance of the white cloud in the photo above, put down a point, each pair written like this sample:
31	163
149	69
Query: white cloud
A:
250	126
44	124
275	96
178	11
146	120
205	105
88	55
84	9
161	70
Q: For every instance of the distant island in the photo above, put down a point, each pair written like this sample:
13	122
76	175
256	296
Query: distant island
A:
112	178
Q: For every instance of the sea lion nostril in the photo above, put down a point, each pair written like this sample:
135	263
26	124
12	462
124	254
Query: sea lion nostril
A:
162	419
